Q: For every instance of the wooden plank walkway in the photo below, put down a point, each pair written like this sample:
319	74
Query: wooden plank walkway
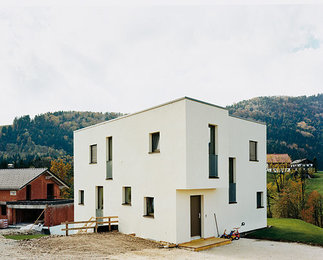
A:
205	243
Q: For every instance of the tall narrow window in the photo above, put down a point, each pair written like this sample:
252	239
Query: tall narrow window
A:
3	210
28	192
81	197
149	201
232	181
100	197
253	151
154	142
260	199
93	153
213	157
109	157
50	191
127	195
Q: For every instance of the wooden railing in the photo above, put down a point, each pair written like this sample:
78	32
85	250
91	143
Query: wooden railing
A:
84	230
98	221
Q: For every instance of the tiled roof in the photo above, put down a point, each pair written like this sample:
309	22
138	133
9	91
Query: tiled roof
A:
15	179
278	158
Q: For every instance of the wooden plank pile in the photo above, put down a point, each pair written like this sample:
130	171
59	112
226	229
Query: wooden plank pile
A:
3	223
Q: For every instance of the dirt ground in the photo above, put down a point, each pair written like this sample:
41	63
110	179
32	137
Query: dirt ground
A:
119	246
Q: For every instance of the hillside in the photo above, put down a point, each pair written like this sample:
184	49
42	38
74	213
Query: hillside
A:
294	124
47	136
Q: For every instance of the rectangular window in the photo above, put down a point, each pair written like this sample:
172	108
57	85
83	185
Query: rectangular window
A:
126	195
81	197
212	139
149	201
260	199
109	158
100	197
232	181
253	151
3	210
154	142
109	148
213	156
93	153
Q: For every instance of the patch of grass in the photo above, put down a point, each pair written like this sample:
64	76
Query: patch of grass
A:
315	183
24	237
290	230
270	177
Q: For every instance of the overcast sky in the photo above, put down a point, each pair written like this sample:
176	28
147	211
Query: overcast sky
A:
127	58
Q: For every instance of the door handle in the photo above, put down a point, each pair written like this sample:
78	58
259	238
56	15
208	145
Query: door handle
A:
199	215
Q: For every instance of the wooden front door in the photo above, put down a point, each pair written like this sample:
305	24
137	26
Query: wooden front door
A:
195	216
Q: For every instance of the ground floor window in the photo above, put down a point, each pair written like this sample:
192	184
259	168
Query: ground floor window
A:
3	210
149	201
127	195
260	199
81	197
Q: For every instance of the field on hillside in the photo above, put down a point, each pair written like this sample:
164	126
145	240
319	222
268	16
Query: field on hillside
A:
315	183
290	230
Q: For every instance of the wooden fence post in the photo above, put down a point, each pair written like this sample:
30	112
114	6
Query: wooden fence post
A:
96	225
66	226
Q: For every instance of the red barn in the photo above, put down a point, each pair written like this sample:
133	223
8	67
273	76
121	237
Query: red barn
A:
26	193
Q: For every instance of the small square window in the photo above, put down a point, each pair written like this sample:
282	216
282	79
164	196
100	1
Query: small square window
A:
127	195
154	142
149	204
260	199
93	153
253	151
3	210
81	197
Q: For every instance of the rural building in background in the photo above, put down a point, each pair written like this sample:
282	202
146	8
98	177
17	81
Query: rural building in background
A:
304	164
25	193
166	171
278	161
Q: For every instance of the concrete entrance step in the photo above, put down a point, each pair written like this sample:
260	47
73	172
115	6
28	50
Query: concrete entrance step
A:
205	243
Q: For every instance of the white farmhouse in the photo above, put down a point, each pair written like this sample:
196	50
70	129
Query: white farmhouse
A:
167	170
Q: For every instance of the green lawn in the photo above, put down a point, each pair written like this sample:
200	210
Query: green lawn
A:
23	237
315	183
290	230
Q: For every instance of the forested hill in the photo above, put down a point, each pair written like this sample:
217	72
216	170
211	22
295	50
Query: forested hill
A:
47	136
294	124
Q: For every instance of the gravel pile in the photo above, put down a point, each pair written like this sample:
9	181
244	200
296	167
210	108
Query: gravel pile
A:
16	231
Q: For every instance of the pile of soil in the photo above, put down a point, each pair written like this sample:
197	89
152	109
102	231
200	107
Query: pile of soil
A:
86	245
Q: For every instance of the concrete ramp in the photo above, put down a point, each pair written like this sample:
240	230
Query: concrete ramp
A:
205	243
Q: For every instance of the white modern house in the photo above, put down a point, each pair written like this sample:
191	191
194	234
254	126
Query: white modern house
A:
167	170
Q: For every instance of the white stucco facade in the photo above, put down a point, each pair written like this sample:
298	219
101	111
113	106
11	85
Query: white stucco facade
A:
180	170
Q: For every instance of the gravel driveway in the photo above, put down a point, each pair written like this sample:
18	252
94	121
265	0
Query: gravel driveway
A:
119	246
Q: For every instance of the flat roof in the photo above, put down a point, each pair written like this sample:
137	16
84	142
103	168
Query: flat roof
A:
165	104
41	202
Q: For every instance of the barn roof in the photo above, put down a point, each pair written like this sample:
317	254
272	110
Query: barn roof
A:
278	158
302	161
16	179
